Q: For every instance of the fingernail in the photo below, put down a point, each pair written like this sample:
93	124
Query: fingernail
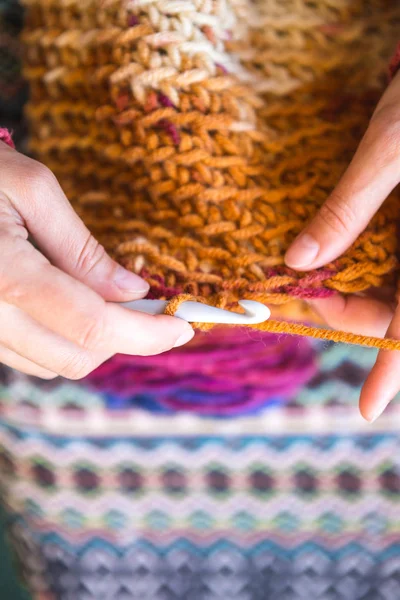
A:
375	414
184	338
130	282
302	252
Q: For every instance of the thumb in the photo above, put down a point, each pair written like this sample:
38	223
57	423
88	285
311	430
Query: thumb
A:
382	383
372	174
37	198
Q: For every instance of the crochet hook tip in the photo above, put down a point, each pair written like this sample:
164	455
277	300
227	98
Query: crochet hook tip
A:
257	311
196	312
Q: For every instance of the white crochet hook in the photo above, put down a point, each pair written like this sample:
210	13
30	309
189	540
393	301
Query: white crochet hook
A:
196	312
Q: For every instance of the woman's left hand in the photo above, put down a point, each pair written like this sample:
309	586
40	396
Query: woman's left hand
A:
372	174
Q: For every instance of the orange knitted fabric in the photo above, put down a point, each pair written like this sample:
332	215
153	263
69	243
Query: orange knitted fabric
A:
197	137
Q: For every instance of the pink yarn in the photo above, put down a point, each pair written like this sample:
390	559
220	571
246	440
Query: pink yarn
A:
224	372
171	130
5	136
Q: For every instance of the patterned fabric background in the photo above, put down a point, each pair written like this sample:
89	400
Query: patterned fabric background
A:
299	501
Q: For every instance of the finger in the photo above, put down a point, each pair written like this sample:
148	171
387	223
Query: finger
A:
372	174
15	361
354	314
130	332
383	382
73	311
36	196
21	335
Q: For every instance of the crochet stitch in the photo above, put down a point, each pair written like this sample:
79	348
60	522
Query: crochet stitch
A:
197	138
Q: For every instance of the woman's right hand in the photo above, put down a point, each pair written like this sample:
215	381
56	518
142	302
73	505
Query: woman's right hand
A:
372	174
57	311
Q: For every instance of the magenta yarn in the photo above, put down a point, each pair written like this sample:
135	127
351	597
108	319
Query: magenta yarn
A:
225	372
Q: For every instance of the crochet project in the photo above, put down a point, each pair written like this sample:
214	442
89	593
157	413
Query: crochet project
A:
196	138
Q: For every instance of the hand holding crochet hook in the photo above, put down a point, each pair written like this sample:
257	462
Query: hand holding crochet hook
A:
73	324
57	311
373	173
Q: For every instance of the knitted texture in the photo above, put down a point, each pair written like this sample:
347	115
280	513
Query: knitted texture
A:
119	407
291	517
197	138
225	373
299	502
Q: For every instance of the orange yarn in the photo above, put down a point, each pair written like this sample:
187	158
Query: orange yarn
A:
296	329
328	335
196	137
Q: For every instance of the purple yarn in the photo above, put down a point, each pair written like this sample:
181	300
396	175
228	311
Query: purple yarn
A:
225	372
164	100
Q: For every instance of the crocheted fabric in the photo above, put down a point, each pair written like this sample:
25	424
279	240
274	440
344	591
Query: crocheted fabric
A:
297	503
121	407
197	138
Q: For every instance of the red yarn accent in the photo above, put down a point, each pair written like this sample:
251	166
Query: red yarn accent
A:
171	130
395	62
308	293
164	100
133	21
122	101
5	136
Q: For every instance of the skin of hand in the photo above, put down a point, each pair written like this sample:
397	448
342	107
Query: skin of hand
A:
372	174
57	311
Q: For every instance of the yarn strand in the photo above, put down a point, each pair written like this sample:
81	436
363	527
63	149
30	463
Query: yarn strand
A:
298	329
328	334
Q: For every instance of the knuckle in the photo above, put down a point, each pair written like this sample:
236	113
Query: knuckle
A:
35	182
12	289
77	365
384	129
337	214
15	289
92	331
39	176
91	254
